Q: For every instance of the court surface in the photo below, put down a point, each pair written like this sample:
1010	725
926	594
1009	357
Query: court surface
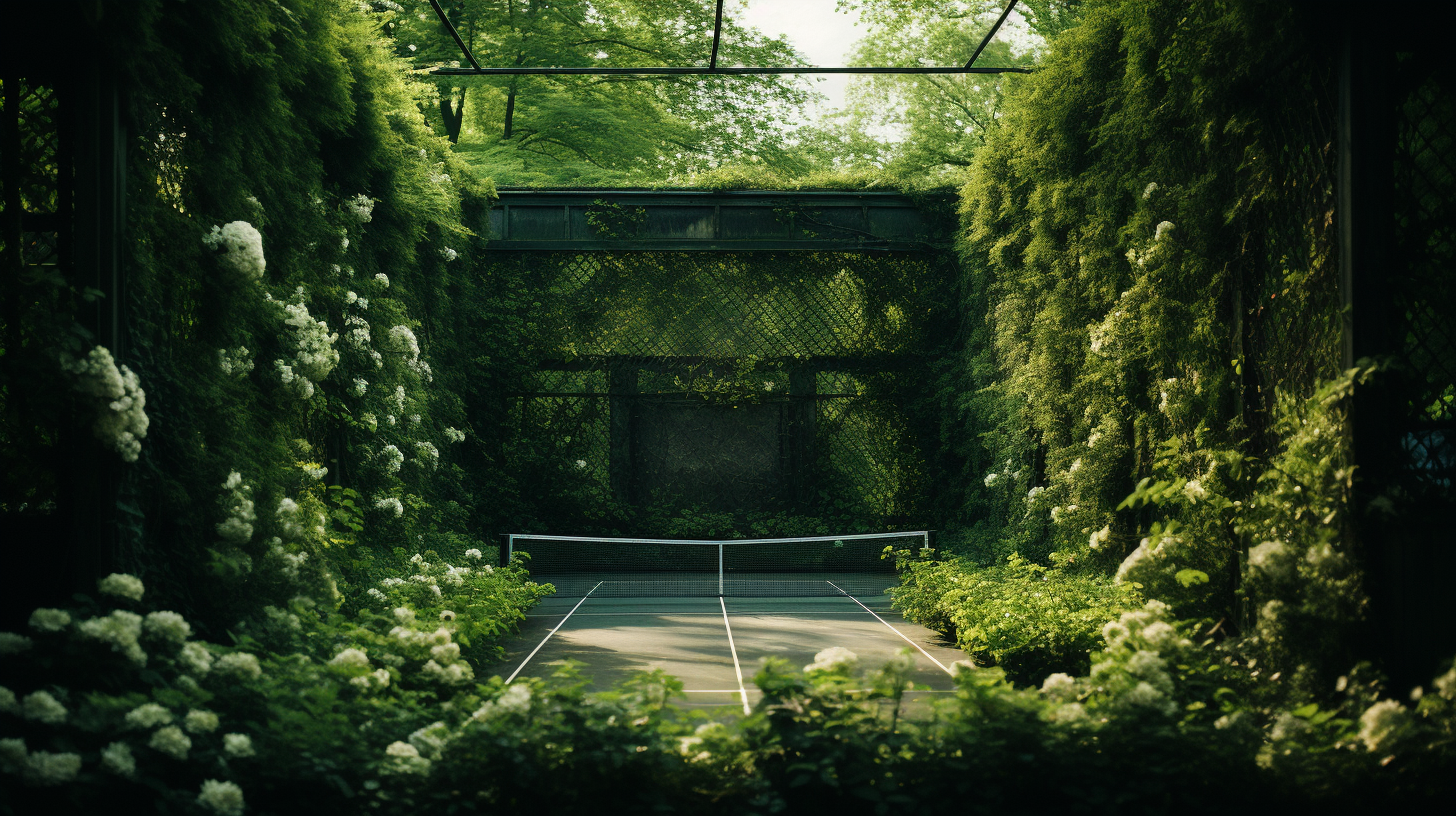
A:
715	645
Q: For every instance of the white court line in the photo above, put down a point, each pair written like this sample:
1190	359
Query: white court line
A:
754	614
734	649
552	632
893	629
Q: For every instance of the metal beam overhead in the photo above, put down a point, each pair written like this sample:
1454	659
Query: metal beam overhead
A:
991	34
453	33
676	71
717	35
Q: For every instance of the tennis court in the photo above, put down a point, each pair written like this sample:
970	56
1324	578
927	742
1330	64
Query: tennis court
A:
617	622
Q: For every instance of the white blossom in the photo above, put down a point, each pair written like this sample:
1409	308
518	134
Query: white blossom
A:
376	595
453	674
167	626
1149	190
8	703
237	528
44	768
171	741
196	658
1097	539
454	435
11	643
121	420
1059	686
118	759
314	356
237	746
13	754
41	707
240	665
241	246
121	585
222	798
1381	723
449	254
148	715
50	620
390	503
237	362
361	207
361	386
199	721
832	659
514	700
474	553
403	758
393	459
350	659
428	453
120	629
1163	228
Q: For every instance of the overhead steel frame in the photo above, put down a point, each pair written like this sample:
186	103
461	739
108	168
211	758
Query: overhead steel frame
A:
712	69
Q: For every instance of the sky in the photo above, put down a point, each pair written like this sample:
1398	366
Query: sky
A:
822	34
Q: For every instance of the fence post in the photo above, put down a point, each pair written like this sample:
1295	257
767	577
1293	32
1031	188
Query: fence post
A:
803	410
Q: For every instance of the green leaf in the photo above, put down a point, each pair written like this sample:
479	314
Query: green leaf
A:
1191	577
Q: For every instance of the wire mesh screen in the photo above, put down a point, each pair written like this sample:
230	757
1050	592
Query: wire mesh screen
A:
1290	288
729	380
1425	225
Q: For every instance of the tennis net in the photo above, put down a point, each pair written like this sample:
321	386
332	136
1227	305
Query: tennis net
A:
763	567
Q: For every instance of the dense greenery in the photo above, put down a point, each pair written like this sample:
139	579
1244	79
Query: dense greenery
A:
307	419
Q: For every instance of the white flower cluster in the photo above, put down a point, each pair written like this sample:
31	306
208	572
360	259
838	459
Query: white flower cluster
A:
121	420
171	741
357	335
242	248
166	626
382	279
361	386
315	472
222	798
426	452
11	643
122	586
403	342
315	356
835	658
50	620
240	665
289	563
237	528
237	746
237	362
121	630
41	707
516	699
40	767
360	208
449	254
117	758
454	435
1099	538
294	523
390	503
404	759
393	458
199	721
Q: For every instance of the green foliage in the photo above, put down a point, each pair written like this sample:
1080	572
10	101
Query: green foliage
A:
604	130
1023	617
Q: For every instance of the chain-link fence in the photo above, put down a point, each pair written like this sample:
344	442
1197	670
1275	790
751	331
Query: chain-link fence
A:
730	380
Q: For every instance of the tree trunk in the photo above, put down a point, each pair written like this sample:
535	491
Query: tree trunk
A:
510	109
453	112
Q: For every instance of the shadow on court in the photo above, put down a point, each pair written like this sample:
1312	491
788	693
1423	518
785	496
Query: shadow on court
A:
615	637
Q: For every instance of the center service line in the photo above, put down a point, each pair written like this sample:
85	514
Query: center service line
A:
896	631
742	692
552	632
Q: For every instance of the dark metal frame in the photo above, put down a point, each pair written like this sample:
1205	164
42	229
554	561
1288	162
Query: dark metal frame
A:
713	69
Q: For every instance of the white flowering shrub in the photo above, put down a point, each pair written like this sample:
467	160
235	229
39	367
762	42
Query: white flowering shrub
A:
314	355
235	362
121	418
240	248
360	208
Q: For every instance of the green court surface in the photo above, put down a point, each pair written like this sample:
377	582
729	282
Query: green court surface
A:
715	645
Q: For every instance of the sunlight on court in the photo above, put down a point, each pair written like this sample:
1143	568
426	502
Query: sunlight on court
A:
697	639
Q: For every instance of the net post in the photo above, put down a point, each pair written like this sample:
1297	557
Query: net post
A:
930	539
720	570
507	544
